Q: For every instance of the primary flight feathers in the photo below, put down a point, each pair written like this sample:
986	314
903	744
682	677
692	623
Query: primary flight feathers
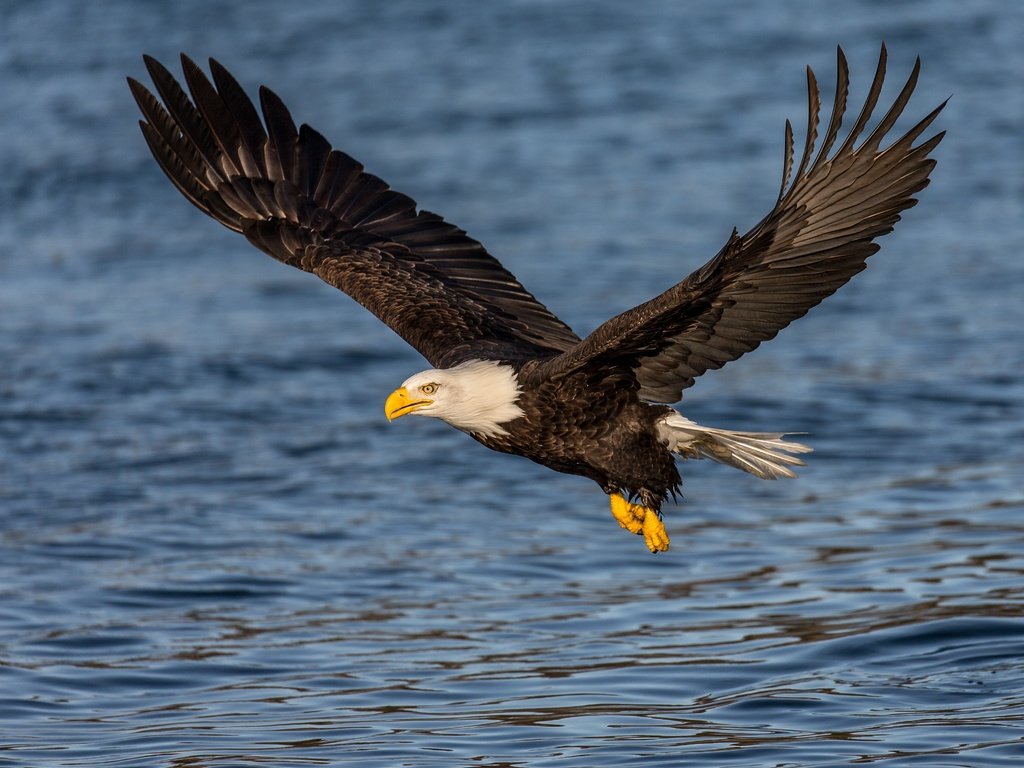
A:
314	207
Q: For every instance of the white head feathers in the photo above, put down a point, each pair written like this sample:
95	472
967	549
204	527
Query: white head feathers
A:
478	396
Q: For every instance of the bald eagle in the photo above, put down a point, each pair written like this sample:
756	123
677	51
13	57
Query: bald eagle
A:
506	370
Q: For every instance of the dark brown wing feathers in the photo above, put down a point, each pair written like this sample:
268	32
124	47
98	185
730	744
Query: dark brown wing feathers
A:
315	208
817	237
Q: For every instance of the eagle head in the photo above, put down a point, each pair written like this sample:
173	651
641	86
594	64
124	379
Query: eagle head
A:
478	397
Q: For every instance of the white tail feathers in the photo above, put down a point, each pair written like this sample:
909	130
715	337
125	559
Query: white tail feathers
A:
765	454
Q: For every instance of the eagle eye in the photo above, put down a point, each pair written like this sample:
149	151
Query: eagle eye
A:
428	389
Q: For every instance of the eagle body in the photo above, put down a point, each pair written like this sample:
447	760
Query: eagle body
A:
596	427
506	370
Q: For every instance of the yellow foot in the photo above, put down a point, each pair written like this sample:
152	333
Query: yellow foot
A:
629	516
640	520
655	535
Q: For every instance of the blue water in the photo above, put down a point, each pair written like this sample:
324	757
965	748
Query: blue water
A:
214	551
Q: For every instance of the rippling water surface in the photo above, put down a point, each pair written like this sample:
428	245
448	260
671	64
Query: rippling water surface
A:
214	551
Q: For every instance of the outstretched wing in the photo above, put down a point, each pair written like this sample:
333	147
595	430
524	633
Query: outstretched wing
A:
315	208
819	234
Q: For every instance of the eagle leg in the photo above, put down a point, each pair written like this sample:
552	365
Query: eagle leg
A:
638	519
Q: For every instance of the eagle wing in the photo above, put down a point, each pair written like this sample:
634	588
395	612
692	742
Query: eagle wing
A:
818	235
315	208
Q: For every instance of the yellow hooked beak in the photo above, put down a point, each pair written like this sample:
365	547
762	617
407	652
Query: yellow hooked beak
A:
399	403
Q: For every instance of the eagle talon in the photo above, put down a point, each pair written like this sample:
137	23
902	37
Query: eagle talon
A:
655	535
640	520
626	514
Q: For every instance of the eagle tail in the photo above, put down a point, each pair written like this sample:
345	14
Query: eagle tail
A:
765	454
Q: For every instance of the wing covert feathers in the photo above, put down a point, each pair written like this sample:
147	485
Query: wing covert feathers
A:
818	235
315	208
